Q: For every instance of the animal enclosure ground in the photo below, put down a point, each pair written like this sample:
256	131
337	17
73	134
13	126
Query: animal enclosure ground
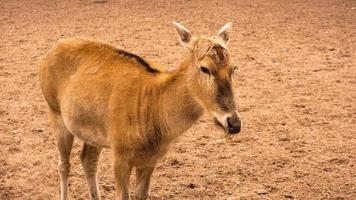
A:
295	90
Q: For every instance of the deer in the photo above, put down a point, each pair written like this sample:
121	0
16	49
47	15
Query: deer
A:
110	98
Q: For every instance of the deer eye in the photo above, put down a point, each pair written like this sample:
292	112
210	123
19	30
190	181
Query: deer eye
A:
204	70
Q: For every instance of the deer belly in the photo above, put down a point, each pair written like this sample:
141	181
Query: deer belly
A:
89	133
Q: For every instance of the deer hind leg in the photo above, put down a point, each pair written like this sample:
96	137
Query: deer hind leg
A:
143	177
122	171
89	158
64	144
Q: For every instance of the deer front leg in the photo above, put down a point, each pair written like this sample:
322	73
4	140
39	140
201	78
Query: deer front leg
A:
143	177
122	171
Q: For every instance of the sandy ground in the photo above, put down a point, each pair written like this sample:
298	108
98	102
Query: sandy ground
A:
296	91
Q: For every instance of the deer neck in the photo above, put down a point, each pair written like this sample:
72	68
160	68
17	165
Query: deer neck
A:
179	109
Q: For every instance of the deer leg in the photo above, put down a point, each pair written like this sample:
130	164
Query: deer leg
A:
122	171
64	144
143	176
89	158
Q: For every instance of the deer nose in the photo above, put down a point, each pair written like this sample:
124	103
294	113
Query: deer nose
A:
233	124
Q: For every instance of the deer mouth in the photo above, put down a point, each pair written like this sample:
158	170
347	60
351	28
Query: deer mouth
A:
233	126
218	124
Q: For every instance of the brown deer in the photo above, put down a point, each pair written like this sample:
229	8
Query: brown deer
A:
110	98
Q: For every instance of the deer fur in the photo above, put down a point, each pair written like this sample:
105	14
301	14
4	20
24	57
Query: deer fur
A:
110	98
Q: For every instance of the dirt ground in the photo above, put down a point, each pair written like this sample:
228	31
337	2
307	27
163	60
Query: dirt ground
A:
295	89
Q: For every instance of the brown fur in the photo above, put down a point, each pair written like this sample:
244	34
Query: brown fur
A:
113	99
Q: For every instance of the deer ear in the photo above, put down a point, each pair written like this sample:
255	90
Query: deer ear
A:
185	36
224	32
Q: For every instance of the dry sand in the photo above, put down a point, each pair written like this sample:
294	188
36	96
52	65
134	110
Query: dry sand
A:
295	89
